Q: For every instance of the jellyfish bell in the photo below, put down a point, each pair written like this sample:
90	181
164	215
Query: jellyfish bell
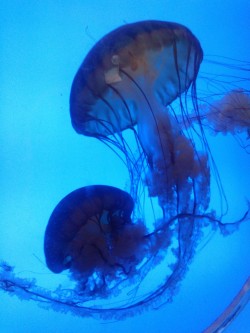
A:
91	234
225	114
131	75
75	211
230	114
151	57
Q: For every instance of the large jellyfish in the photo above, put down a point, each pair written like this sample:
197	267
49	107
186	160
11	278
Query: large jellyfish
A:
136	92
128	81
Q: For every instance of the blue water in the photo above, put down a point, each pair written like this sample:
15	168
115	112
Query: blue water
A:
43	159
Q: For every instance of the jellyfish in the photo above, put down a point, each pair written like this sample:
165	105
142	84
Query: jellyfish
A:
90	233
229	114
128	81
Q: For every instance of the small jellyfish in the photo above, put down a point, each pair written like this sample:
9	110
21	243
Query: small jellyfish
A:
90	232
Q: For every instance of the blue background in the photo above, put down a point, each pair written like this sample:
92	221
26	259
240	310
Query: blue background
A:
43	159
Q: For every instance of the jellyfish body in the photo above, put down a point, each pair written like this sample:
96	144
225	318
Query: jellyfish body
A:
128	80
230	114
153	58
90	232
